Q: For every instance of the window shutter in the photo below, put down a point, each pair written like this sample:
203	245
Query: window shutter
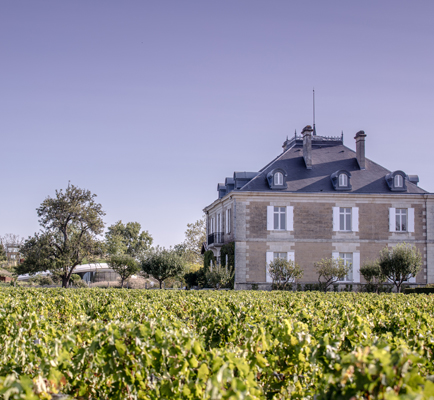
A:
289	218
412	279
392	220
410	214
269	258
355	219
335	218
270	218
356	267
335	254
290	256
226	221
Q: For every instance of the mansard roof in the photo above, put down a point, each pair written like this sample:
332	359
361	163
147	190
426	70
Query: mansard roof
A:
328	156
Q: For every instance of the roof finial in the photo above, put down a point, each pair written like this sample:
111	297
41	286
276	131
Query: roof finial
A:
295	133
314	129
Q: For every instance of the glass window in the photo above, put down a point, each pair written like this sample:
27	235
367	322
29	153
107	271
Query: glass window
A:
343	180
278	178
401	219
348	260
281	256
228	221
280	218
398	180
345	218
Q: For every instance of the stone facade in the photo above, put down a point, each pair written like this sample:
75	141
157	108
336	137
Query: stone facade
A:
311	232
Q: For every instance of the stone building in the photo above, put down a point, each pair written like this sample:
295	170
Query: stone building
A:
319	199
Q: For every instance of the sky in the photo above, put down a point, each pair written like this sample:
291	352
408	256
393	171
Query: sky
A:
150	104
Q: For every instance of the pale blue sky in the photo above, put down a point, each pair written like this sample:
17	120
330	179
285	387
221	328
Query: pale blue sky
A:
149	104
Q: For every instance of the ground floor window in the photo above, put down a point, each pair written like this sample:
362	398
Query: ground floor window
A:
348	260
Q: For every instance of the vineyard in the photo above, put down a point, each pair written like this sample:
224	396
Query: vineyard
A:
131	344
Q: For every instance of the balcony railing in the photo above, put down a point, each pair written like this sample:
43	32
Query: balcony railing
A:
215	238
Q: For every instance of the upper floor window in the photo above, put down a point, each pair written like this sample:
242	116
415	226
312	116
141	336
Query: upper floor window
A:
280	218
401	220
228	220
343	180
398	181
345	218
278	178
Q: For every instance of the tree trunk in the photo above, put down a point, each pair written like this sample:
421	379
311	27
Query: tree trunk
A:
65	281
161	284
122	283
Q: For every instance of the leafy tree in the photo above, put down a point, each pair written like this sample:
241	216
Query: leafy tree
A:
70	222
127	239
330	271
228	250
2	253
195	278
373	276
219	276
400	263
125	245
124	265
162	263
283	272
195	236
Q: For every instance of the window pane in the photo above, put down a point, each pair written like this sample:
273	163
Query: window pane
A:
348	217
404	223
398	222
282	221
276	209
276	220
342	221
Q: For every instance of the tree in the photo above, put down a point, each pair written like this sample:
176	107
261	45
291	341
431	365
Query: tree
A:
284	272
125	245
70	222
195	236
372	273
124	265
2	254
400	263
219	276
331	270
127	239
162	263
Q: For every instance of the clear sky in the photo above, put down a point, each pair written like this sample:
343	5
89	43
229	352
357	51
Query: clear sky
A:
149	104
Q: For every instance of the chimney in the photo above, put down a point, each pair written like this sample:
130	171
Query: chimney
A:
360	148
307	146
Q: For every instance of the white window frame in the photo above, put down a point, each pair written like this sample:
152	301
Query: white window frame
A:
278	179
345	219
393	220
398	181
354	219
343	180
280	212
289	221
400	215
228	220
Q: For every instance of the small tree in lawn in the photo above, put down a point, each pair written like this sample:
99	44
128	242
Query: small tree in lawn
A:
219	276
163	263
373	275
124	265
330	271
284	272
400	263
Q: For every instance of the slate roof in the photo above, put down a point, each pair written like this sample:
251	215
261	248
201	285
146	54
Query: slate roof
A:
325	160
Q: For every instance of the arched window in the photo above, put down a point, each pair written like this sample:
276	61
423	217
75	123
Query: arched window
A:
278	178
398	180
343	180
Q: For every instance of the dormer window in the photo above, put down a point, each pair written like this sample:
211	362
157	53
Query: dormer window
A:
396	181
341	180
277	179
